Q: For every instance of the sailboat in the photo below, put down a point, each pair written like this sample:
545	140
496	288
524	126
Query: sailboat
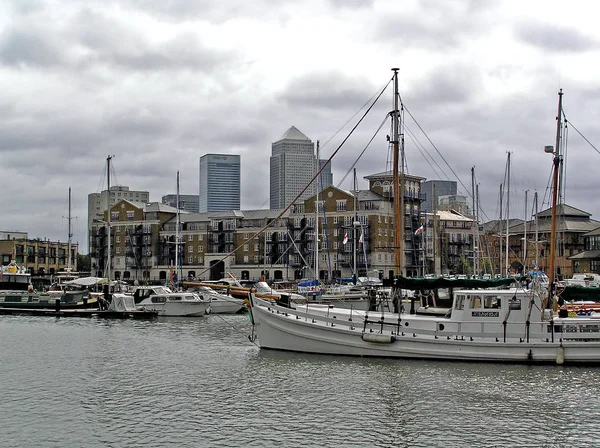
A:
166	302
120	304
492	325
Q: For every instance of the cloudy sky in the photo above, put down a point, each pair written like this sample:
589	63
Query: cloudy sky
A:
158	83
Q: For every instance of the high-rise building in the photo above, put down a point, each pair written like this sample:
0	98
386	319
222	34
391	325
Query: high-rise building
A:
292	166
441	188
187	202
326	176
219	183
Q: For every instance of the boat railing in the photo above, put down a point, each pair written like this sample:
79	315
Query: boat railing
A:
374	323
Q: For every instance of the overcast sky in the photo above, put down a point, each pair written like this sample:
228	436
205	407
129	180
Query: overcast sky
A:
159	83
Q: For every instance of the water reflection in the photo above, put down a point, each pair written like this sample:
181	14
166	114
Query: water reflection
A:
199	382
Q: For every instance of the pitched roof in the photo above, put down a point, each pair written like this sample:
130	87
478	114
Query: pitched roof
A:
293	134
564	210
586	255
389	174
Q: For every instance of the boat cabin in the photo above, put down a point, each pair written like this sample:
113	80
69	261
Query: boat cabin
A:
488	305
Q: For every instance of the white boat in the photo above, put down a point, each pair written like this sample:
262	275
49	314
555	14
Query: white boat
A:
508	325
494	325
185	304
219	303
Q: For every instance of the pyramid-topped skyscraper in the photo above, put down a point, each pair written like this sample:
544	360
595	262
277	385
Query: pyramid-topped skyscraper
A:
293	165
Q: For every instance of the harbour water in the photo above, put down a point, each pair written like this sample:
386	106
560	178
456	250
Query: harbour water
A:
199	382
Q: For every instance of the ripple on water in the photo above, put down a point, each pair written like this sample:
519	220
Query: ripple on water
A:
199	382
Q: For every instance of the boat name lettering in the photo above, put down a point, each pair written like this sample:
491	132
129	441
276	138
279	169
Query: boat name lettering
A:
485	314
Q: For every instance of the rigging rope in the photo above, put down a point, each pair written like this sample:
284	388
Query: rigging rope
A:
269	224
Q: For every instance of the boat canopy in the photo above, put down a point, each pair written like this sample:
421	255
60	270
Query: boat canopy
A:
309	283
438	283
580	293
87	281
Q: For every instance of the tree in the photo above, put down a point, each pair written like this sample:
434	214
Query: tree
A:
463	266
83	263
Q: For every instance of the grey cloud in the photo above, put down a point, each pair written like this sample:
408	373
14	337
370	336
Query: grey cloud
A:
327	91
27	47
351	4
554	38
439	26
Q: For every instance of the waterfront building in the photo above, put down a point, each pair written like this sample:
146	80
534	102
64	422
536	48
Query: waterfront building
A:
382	183
98	203
187	202
575	230
448	240
292	166
433	189
134	231
39	256
219	182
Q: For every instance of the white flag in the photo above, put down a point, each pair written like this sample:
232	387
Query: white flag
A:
419	230
360	240
345	239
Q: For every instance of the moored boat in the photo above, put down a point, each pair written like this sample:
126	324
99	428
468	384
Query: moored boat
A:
507	325
181	303
220	303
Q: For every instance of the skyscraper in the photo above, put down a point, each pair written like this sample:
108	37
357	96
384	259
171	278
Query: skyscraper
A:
187	202
219	182
441	188
292	166
326	176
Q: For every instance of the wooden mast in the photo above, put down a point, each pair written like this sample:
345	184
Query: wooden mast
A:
557	161
396	178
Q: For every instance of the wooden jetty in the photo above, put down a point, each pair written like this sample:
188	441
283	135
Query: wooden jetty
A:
104	314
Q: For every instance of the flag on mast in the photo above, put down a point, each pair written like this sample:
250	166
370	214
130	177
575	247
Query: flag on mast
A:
345	238
360	240
419	230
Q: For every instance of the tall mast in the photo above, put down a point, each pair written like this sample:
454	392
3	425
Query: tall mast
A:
354	224
437	268
507	212
500	228
398	221
525	236
474	225
69	266
557	161
108	260
537	251
316	246
477	229
177	235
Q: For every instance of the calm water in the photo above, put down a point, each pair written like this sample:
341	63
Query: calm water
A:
201	383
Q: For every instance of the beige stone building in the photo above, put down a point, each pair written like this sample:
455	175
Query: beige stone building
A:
41	257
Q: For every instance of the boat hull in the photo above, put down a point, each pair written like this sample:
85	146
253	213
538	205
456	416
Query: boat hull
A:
181	309
45	301
226	306
282	328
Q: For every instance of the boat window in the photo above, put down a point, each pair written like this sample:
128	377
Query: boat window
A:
158	299
491	302
175	298
475	302
515	304
460	303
